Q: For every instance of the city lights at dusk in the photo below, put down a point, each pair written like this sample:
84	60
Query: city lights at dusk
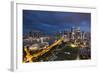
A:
56	36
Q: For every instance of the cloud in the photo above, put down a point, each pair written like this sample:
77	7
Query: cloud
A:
53	21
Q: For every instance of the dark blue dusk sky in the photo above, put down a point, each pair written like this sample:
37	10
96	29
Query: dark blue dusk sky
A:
52	21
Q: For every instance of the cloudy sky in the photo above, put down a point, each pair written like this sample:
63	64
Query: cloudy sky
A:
51	21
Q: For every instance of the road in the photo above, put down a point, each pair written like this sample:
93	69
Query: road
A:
30	58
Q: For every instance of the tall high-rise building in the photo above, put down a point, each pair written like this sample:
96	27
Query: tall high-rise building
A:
72	29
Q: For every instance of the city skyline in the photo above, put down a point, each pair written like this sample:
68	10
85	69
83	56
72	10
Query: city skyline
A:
52	21
56	36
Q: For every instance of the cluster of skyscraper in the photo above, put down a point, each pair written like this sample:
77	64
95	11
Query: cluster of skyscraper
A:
75	36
